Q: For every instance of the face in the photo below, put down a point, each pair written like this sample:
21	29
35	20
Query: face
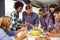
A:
59	13
56	16
19	9
52	9
29	11
41	13
8	24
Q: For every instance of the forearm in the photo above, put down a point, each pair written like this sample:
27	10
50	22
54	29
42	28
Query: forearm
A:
36	25
17	31
22	29
21	37
23	24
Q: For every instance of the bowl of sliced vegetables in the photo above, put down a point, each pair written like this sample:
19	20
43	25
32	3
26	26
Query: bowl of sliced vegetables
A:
36	32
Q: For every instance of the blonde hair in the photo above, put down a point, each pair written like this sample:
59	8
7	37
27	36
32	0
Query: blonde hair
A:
4	22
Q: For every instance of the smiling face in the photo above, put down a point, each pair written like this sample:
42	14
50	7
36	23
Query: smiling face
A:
18	6
29	11
57	13
52	9
19	9
41	13
57	17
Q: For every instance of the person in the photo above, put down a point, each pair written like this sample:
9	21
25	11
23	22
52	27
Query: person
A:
30	18
51	10
57	20
16	21
45	20
4	26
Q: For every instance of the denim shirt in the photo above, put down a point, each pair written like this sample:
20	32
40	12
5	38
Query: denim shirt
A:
4	36
11	33
32	20
46	22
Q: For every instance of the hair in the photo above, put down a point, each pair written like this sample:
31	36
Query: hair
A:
18	4
28	7
57	10
42	9
53	6
52	17
27	1
4	22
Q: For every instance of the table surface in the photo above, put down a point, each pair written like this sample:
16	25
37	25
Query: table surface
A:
53	36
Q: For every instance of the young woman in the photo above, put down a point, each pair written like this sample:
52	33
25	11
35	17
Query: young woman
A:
51	10
4	26
18	6
57	19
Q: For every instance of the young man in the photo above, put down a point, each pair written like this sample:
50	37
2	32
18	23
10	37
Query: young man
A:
30	18
45	20
57	19
15	15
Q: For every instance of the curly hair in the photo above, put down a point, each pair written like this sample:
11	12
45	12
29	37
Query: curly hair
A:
18	4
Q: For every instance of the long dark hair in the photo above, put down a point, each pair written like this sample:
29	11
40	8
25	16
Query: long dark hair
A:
52	13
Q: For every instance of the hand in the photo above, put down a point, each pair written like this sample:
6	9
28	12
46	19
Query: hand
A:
22	36
27	24
47	38
19	19
35	27
22	29
47	34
